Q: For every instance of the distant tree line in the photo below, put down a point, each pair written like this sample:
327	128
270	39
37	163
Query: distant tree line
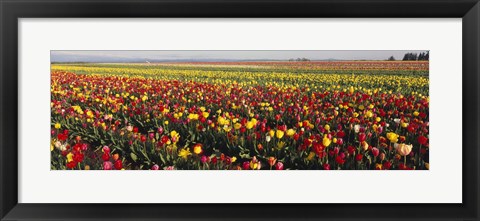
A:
424	56
416	57
299	59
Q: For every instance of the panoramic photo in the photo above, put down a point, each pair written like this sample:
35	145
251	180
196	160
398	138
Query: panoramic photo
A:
240	110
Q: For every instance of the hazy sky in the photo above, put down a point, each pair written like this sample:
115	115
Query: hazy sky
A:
125	56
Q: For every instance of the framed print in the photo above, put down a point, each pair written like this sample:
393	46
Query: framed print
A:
225	110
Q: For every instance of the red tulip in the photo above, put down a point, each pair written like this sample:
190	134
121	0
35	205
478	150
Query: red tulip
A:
78	157
359	157
115	157
118	164
339	141
106	156
340	160
107	165
422	140
387	165
351	149
71	164
362	137
326	166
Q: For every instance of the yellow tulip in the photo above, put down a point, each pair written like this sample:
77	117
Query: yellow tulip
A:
393	137
326	142
271	133
249	125
184	153
70	157
290	132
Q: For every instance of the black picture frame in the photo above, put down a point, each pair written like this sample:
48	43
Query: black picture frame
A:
12	10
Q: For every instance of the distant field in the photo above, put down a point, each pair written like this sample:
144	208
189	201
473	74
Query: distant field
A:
359	67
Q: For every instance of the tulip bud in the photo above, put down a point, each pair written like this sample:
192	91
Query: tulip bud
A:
118	165
155	167
382	156
259	147
339	141
246	165
336	150
356	128
115	157
279	166
358	157
365	146
362	137
380	130
271	161
203	159
107	165
326	166
106	156
160	130
259	165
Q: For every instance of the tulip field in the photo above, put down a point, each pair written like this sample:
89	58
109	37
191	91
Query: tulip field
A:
262	115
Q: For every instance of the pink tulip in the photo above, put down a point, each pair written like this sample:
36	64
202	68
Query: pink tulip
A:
379	130
160	130
203	159
279	166
107	165
336	150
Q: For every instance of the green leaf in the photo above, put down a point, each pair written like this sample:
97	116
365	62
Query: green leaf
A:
162	159
133	156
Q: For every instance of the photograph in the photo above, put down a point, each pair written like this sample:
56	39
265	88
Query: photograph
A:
239	110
